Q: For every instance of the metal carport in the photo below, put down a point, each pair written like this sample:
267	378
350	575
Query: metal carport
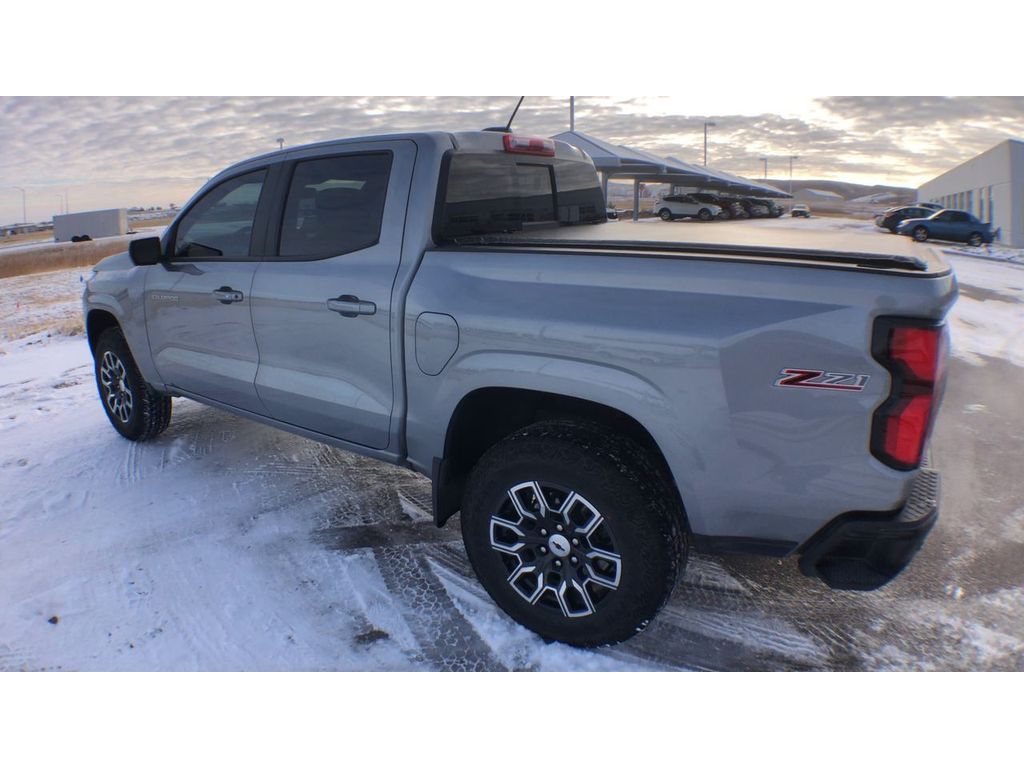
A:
618	160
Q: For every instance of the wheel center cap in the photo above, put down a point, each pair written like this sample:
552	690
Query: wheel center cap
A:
559	545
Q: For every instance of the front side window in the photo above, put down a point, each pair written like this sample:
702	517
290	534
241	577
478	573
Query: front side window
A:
219	226
335	205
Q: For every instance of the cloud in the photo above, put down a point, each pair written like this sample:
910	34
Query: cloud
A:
131	150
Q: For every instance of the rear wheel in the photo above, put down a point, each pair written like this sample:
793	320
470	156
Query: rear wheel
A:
573	533
135	409
920	234
666	214
974	239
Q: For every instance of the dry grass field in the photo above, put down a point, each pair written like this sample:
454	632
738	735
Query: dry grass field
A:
47	258
38	304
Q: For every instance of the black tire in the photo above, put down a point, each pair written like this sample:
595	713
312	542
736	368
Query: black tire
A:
618	486
665	214
75	238
920	234
136	410
704	214
84	239
975	239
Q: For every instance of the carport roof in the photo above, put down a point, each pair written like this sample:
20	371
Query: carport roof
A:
619	160
613	159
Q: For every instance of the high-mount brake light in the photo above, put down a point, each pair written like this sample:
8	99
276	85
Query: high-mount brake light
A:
529	145
914	352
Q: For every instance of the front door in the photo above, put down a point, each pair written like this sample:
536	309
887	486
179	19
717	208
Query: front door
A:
322	299
198	302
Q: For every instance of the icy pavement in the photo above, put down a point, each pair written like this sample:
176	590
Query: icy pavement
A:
225	544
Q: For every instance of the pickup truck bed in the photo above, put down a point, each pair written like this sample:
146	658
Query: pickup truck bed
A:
688	343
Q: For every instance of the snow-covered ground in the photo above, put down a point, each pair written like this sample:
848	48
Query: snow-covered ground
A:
225	544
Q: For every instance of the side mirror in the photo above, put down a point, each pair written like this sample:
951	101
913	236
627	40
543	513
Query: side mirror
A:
145	251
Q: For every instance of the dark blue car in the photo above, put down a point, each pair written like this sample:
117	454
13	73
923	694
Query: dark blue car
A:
948	225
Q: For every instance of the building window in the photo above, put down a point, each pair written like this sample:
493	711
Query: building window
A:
969	207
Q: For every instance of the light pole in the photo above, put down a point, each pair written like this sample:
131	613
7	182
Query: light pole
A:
24	208
280	143
572	113
765	161
706	124
60	203
791	159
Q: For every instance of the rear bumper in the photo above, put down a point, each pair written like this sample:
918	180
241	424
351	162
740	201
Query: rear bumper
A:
866	550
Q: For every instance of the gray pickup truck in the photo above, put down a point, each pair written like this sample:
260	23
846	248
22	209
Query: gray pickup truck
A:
593	403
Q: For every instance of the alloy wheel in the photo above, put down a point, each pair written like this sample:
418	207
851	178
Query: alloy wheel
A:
558	550
117	393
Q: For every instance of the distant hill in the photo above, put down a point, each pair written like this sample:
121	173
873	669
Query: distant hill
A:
851	192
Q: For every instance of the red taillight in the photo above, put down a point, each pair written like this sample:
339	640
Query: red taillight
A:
914	353
918	350
529	145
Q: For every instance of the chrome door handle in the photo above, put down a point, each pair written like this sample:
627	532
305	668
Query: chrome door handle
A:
227	295
351	306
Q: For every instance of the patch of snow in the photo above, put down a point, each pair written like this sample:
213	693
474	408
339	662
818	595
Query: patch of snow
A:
991	325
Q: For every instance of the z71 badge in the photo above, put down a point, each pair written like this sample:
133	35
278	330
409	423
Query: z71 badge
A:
800	377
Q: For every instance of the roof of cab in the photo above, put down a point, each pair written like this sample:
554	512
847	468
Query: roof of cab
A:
471	141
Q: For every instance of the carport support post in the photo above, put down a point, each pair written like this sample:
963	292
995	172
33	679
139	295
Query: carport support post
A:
636	199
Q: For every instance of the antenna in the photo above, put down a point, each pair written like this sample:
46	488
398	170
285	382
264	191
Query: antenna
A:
514	111
507	128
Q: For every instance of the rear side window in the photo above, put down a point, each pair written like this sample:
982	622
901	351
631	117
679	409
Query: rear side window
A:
335	205
492	193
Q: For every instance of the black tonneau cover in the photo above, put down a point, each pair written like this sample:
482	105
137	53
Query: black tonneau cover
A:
740	239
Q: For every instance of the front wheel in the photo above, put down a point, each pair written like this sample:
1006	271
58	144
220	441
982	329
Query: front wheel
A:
665	214
704	214
573	532
920	234
136	410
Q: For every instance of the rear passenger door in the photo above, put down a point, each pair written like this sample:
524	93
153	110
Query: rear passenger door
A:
960	228
322	300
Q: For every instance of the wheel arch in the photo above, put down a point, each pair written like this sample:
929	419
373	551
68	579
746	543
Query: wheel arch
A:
96	322
485	416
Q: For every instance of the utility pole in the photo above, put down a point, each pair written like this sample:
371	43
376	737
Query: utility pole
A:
765	161
280	143
24	207
791	159
572	113
706	124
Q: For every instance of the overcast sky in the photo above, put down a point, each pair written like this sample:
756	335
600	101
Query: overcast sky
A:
117	152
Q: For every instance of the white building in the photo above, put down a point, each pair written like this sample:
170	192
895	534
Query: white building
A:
991	186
